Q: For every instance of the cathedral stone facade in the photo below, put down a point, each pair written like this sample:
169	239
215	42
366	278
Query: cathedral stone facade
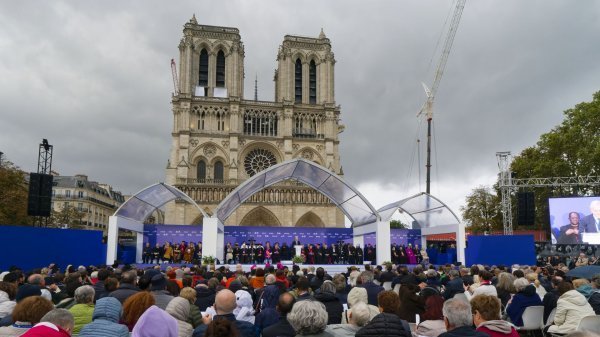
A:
220	139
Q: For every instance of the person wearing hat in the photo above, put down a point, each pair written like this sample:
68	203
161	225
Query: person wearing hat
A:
158	289
155	322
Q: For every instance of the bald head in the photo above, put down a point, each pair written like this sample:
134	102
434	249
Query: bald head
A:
225	302
36	279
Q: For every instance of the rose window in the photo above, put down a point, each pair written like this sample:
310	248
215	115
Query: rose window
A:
258	160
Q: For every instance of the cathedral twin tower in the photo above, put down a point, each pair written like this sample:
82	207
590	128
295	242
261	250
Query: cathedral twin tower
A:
220	139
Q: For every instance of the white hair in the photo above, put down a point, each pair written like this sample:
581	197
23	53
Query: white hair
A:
84	294
458	313
308	317
360	314
520	283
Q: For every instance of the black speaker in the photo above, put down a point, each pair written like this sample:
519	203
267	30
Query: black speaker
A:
526	208
40	194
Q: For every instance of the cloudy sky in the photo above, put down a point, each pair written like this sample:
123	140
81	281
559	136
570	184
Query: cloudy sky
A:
94	78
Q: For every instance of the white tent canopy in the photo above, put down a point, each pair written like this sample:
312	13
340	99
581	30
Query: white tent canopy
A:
133	212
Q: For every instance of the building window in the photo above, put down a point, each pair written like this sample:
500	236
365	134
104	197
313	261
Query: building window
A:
68	193
308	125
260	122
258	160
298	81
218	174
203	74
201	121
312	83
79	206
80	194
220	69
220	121
201	171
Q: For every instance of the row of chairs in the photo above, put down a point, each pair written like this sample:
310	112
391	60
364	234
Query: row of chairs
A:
533	320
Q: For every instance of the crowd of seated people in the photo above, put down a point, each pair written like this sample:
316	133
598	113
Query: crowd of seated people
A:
388	300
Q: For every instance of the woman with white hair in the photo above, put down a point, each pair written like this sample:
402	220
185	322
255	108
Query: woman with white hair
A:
309	318
355	296
84	309
526	296
358	317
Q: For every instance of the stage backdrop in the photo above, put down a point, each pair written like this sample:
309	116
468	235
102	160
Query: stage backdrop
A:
34	247
500	249
233	234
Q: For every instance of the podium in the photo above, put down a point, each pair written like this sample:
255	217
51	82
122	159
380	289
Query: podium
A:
298	250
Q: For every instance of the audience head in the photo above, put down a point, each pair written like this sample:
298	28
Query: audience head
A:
85	295
596	281
225	302
359	315
506	282
457	313
357	295
31	309
563	287
221	328
189	294
320	273
328	287
366	277
155	322
129	277
136	305
62	318
270	279
485	308
580	282
388	302
285	303
308	317
340	282
10	289
27	290
302	284
520	284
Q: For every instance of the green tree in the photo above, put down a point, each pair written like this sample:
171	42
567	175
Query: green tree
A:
398	224
570	149
482	210
67	215
13	195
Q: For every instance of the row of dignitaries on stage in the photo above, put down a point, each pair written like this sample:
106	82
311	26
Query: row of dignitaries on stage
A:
250	252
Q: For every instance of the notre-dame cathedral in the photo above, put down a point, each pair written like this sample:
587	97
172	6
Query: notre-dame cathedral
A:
220	139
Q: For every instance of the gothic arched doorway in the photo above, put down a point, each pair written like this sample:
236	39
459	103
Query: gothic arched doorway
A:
310	219
260	216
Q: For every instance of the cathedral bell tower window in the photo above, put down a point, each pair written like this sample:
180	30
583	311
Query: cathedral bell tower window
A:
220	69
298	81
203	74
312	83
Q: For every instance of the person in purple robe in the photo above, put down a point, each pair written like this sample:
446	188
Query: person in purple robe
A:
412	259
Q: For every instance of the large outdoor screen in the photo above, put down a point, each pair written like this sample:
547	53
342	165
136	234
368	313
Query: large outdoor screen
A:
575	220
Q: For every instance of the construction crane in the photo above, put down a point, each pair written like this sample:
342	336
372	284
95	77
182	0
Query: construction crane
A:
174	73
427	107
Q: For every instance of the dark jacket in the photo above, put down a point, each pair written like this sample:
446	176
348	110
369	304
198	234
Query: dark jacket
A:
594	301
384	324
372	291
100	290
412	304
454	287
245	329
268	315
205	298
333	306
124	291
107	313
523	299
386	276
279	329
549	302
463	331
